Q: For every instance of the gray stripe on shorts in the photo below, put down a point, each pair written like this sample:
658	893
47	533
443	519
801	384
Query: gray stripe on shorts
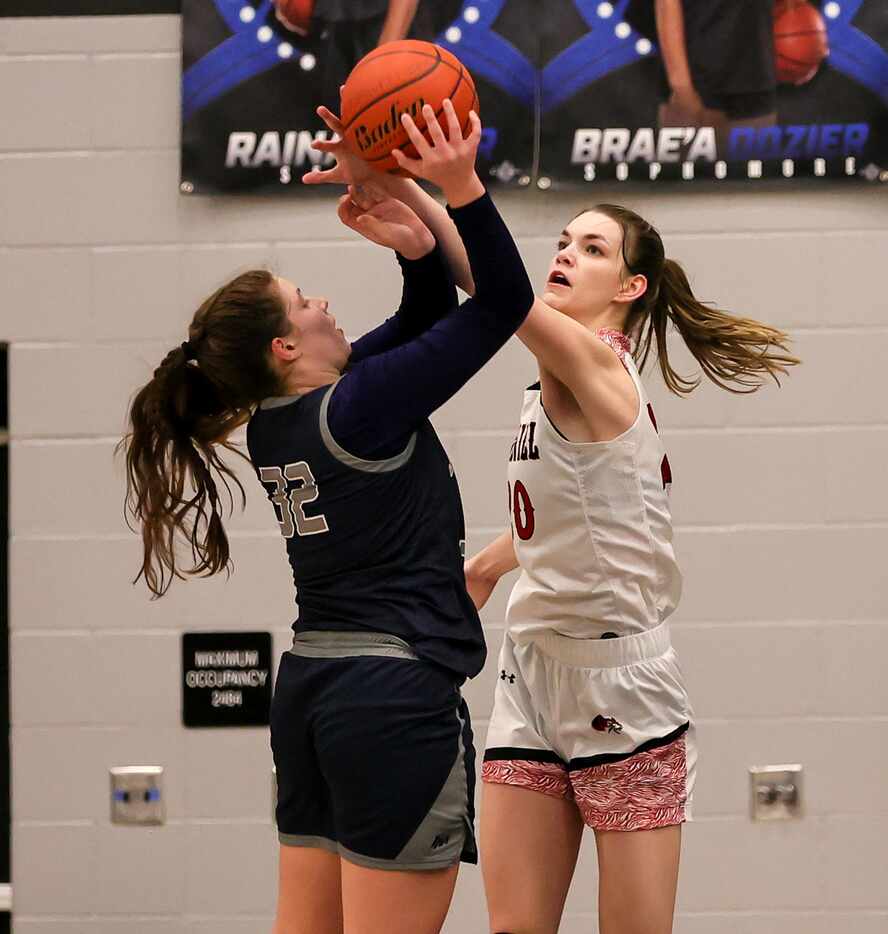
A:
398	865
370	862
332	644
301	839
436	841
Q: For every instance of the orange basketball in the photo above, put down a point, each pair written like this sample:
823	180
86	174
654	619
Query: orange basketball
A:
800	41
397	78
296	14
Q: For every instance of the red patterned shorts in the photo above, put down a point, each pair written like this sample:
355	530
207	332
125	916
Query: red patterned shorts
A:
605	723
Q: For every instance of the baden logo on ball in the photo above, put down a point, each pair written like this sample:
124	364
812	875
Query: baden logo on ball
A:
398	78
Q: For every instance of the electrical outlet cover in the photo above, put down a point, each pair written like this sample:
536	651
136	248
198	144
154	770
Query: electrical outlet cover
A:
137	795
775	792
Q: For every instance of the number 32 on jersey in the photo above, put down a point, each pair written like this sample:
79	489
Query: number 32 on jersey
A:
291	503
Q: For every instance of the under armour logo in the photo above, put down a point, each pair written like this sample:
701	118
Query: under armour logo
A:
440	840
507	677
607	725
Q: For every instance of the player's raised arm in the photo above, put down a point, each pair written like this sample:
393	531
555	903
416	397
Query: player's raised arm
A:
428	292
352	170
385	397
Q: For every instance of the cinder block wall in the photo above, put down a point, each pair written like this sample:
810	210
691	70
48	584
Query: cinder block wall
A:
779	501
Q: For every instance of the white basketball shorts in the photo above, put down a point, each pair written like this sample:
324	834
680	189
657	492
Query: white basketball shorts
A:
603	722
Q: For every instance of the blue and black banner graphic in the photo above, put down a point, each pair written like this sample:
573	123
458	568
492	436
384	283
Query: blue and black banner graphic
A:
87	7
571	91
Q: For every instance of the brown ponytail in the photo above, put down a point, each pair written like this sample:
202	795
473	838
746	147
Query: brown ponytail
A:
201	392
736	353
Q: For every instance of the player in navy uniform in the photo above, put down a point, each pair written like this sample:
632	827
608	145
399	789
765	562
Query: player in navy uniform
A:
371	739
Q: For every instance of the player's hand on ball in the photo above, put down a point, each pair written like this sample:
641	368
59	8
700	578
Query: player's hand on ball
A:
385	220
448	161
349	168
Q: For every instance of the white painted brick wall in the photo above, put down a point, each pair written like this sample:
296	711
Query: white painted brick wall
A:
780	507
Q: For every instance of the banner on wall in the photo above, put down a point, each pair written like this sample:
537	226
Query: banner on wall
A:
571	91
741	89
87	7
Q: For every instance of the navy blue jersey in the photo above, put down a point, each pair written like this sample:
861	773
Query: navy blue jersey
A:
374	545
365	494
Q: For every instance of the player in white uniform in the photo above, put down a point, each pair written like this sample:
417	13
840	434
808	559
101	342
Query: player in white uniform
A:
591	722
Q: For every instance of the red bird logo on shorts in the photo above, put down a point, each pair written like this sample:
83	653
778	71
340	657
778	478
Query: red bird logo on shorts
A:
607	725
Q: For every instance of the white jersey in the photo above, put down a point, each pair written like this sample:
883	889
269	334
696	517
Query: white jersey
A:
591	525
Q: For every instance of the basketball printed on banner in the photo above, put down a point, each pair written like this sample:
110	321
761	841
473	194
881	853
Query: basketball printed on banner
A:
398	78
800	41
295	14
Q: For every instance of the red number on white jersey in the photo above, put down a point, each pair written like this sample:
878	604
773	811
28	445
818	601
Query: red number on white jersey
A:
522	510
665	469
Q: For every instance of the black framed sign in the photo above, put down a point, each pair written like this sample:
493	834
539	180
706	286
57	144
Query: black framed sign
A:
226	678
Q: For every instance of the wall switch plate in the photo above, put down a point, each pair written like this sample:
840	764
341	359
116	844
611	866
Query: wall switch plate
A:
775	792
137	795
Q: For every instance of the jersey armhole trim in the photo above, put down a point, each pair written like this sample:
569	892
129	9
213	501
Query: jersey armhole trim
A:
351	460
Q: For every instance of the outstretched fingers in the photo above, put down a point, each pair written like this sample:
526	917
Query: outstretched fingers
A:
474	136
317	176
330	118
420	143
439	140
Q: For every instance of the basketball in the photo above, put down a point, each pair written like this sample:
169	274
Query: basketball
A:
398	78
295	14
800	41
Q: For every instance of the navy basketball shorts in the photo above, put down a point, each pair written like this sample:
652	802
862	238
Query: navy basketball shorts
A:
373	751
605	723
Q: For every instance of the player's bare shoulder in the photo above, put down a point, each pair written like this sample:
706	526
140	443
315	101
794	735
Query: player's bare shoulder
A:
605	398
600	407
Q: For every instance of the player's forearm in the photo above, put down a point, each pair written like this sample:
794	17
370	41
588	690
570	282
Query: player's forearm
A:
405	385
673	49
496	559
436	218
398	20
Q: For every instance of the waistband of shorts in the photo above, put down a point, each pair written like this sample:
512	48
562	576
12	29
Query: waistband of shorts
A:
323	643
605	653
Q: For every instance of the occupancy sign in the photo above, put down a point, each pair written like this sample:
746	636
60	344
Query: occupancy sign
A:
226	678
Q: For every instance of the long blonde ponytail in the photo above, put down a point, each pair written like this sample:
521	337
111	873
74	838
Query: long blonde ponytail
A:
737	354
